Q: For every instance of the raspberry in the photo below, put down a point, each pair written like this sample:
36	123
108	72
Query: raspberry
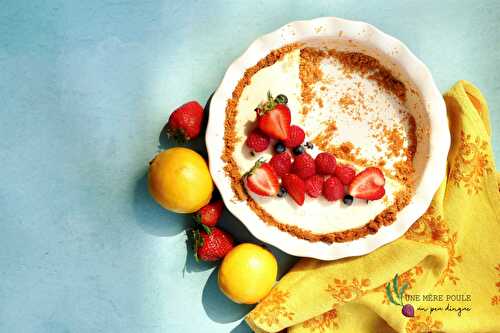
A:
314	186
333	189
345	173
281	163
303	166
325	164
257	141
295	138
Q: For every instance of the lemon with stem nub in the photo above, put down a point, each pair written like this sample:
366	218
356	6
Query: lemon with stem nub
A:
247	273
179	180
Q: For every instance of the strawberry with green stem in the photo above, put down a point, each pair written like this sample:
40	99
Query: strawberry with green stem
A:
209	215
274	118
211	246
262	179
407	309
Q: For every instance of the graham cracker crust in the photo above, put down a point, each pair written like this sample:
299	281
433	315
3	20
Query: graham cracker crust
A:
309	74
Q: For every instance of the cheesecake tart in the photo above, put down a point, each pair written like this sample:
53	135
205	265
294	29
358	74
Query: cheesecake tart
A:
327	138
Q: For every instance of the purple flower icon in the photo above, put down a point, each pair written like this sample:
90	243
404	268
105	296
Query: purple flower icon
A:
407	310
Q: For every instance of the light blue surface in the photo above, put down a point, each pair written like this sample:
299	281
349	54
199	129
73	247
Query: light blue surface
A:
85	89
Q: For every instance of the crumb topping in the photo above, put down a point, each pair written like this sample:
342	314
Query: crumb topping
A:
310	73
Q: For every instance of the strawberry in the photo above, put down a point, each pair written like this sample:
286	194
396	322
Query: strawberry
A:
184	123
295	186
295	137
209	215
333	189
274	119
314	186
211	246
281	163
345	173
325	163
262	179
303	166
368	184
257	141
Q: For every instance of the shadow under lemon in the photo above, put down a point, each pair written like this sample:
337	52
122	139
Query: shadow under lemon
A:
157	221
150	216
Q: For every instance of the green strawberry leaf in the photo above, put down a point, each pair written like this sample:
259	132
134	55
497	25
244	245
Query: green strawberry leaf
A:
206	228
197	243
197	219
257	164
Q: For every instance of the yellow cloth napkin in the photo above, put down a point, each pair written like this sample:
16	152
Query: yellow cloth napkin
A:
449	259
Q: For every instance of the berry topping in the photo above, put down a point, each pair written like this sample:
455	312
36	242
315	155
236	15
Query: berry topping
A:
309	145
262	179
304	166
281	99
295	187
274	119
257	141
368	184
282	192
211	246
298	150
184	123
333	189
279	147
348	199
314	186
295	138
281	163
345	173
325	164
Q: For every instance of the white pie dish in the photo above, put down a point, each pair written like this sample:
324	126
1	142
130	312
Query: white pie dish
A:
432	148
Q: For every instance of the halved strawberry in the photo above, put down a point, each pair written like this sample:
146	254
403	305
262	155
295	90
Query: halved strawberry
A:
274	119
295	186
368	184
262	179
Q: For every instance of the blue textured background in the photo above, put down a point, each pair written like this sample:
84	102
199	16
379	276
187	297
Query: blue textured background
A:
85	89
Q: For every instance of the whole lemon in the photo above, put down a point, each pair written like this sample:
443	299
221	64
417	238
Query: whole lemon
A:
179	180
247	273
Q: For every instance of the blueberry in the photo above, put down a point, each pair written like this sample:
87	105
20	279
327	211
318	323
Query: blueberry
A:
282	192
309	145
281	99
279	147
348	199
298	150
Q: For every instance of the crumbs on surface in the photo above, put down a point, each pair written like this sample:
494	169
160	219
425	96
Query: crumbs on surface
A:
319	100
395	141
345	101
310	73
